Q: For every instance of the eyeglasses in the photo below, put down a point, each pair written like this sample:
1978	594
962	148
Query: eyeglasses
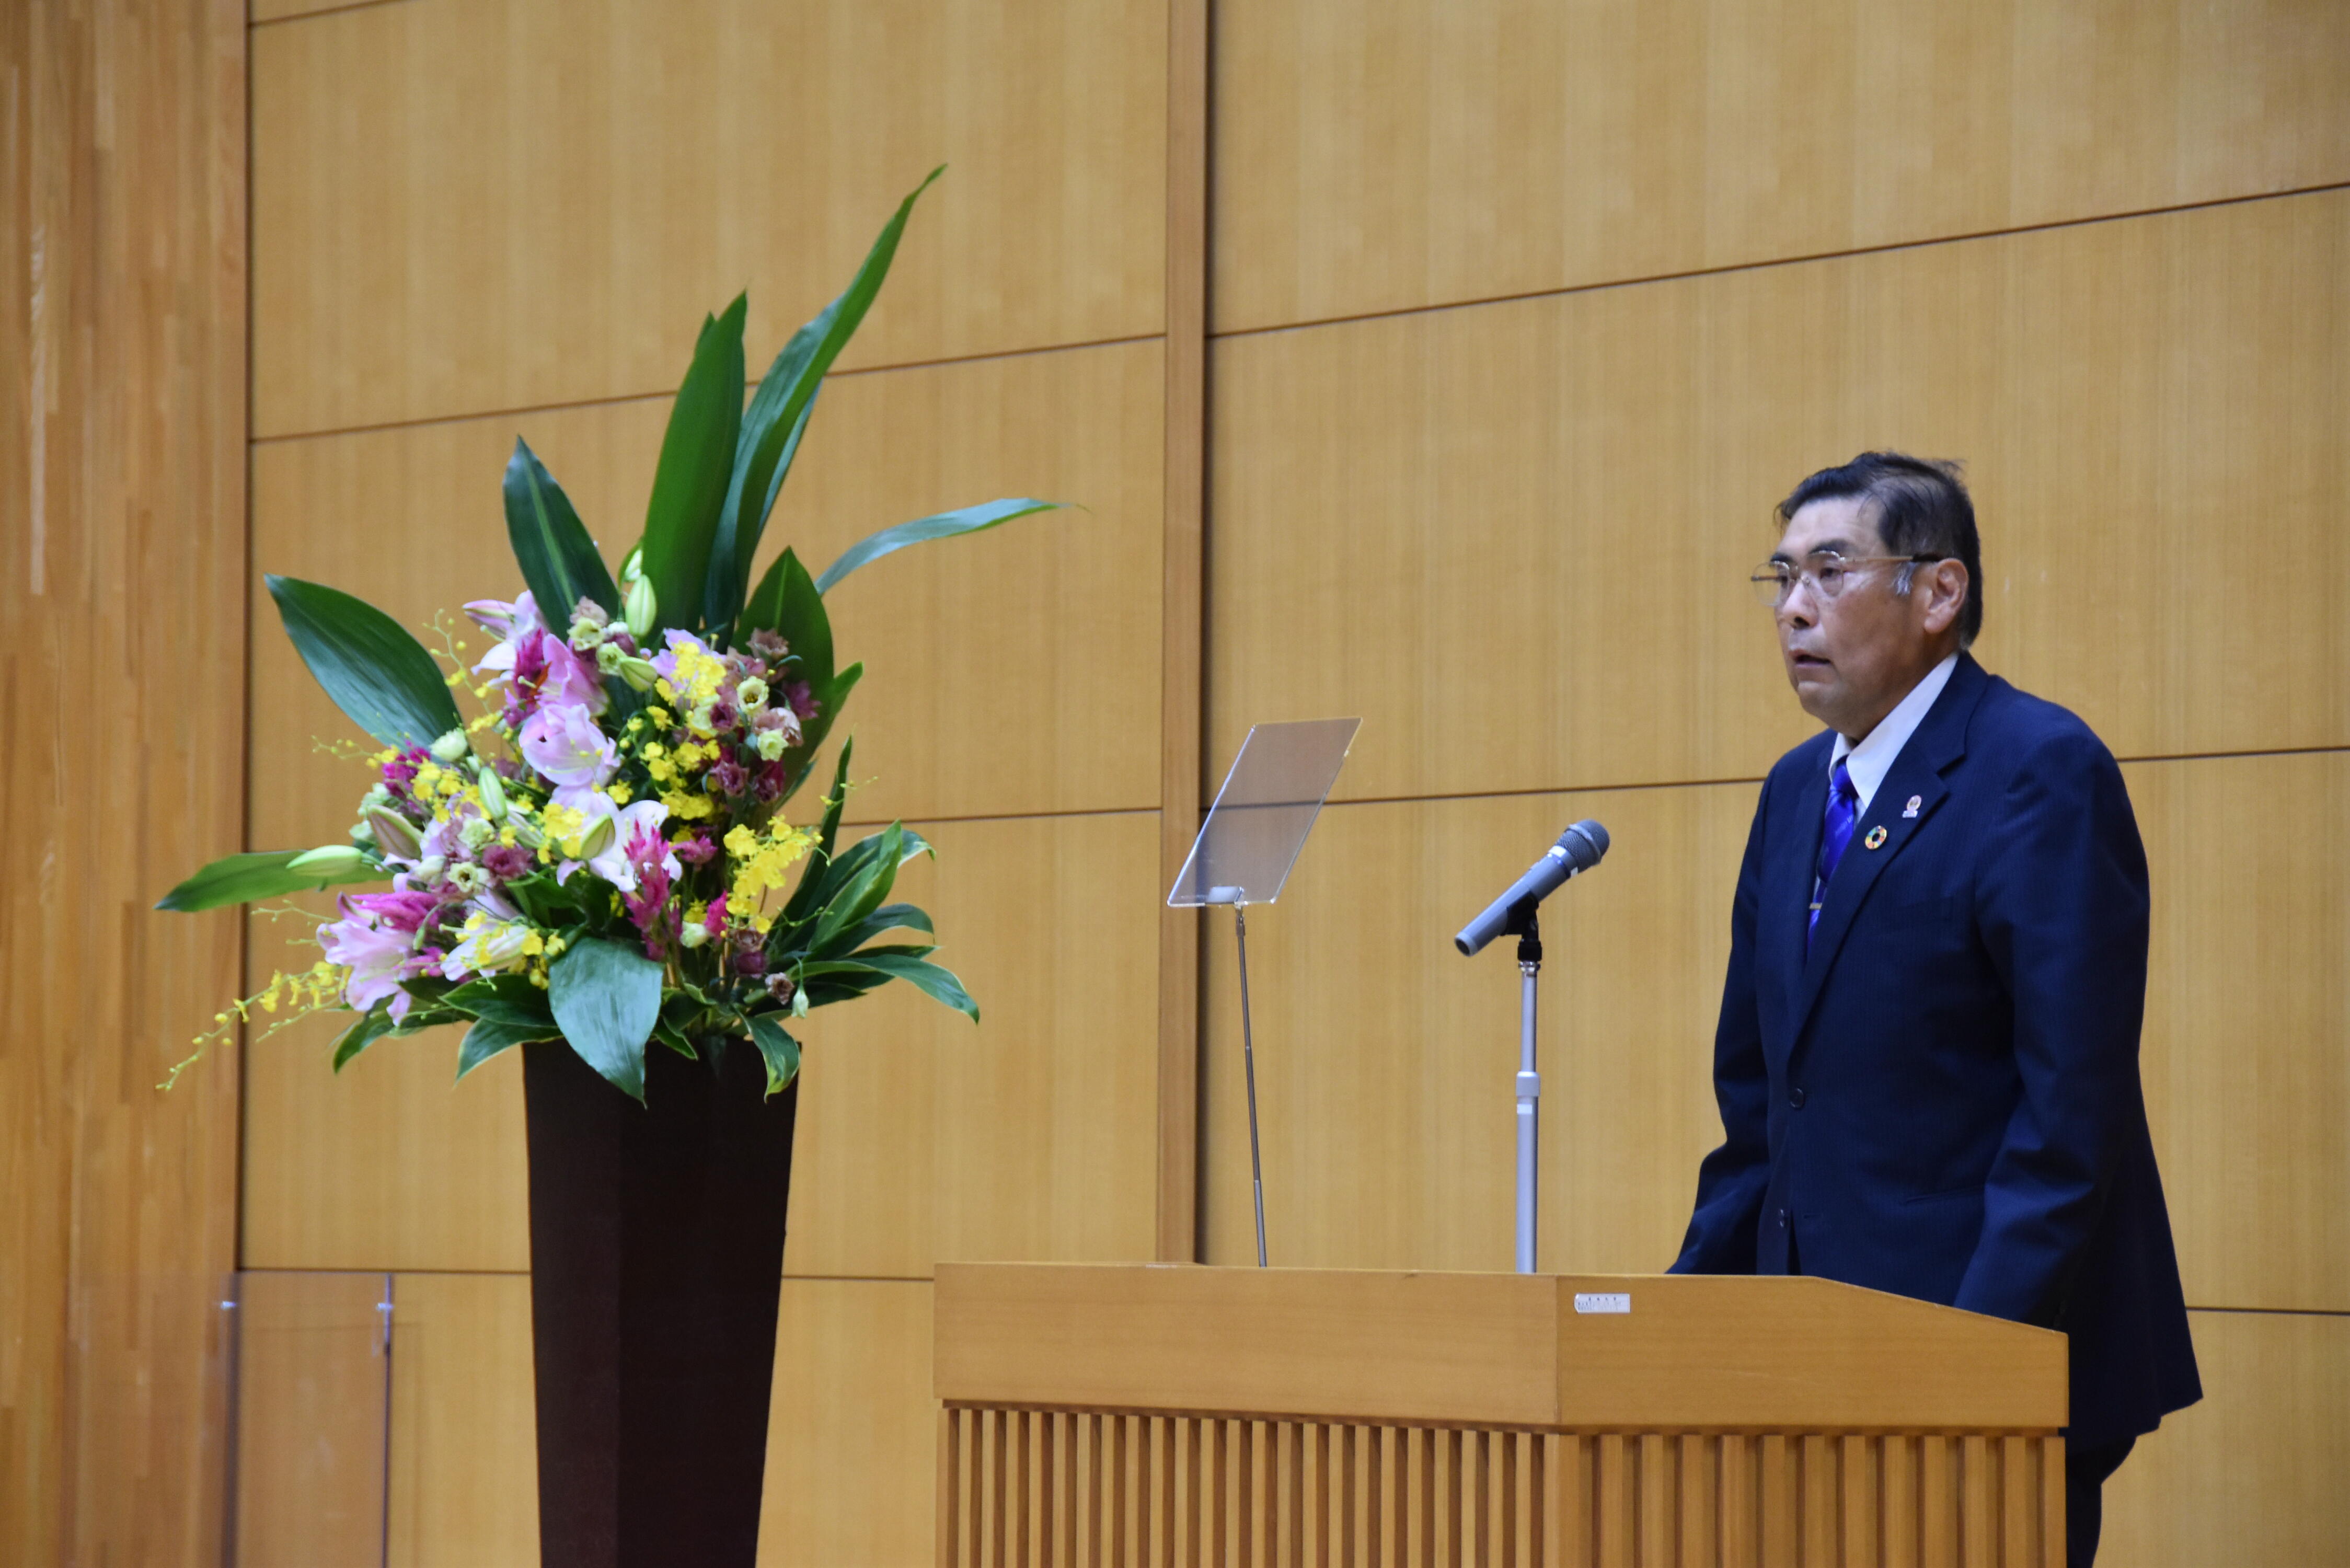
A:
1825	572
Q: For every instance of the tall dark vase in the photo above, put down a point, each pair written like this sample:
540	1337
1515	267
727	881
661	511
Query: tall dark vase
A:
656	1257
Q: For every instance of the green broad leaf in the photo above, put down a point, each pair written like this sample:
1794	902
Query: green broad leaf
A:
508	1000
780	1050
241	879
559	560
486	1038
377	673
829	698
670	1035
371	1027
787	604
418	1018
779	412
697	461
606	998
806	898
825	990
547	902
888	918
944	525
937	984
863	891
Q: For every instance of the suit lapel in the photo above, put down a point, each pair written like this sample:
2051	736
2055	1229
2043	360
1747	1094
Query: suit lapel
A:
1939	739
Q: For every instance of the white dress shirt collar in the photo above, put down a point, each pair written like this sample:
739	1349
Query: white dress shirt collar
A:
1870	760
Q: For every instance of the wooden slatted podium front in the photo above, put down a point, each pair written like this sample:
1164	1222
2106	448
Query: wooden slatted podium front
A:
1164	1415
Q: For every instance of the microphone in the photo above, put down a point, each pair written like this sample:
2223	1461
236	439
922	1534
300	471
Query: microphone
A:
1578	849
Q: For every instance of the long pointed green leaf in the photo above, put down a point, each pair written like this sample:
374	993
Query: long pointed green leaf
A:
887	918
780	1050
241	879
559	560
944	525
864	892
801	759
787	604
697	459
606	998
372	1026
487	1037
377	673
937	984
806	898
779	412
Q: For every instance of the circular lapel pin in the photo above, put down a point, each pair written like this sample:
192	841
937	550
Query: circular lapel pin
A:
1876	839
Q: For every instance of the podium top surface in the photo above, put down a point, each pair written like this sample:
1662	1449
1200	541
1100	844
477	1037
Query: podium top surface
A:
1590	1351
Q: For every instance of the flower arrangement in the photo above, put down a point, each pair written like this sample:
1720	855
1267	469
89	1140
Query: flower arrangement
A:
601	856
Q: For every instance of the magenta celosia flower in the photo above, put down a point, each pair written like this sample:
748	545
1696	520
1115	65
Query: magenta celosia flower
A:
696	850
637	848
714	921
565	746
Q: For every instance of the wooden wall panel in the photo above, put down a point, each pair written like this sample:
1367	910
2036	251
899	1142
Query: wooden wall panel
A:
1031	1136
1415	152
389	1164
2248	1007
122	232
438	232
852	1446
464	1466
2253	1476
1384	1059
1514	537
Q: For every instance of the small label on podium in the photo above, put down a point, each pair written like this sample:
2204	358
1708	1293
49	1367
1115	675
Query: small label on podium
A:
1603	1301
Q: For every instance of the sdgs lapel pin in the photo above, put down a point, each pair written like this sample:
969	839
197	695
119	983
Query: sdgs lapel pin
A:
1876	839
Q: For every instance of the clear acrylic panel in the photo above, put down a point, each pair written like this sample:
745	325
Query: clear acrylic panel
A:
311	1452
1263	812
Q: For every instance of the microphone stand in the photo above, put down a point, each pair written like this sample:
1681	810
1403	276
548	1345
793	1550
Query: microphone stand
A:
1528	931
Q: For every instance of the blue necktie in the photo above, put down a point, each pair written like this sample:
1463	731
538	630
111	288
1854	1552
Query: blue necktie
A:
1844	810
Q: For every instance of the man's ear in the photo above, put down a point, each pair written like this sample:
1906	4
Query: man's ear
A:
1941	587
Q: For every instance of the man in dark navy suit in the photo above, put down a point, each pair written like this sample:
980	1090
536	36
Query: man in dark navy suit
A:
1927	1063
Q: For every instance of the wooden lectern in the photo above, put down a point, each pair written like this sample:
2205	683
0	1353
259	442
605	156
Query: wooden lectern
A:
1178	1414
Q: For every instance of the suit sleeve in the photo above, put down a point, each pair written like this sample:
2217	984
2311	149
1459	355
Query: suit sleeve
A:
2063	906
1732	1180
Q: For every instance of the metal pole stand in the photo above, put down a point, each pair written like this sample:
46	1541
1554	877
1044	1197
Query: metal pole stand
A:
1528	931
1248	1057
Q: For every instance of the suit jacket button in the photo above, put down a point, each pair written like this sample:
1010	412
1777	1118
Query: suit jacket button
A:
1796	1098
1782	1218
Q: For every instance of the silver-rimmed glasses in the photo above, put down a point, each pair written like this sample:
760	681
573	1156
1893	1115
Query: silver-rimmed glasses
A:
1826	573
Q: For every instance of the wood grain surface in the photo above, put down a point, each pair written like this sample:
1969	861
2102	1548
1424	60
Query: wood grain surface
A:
1404	153
1514	537
1486	1349
123	235
1031	1136
438	231
465	1471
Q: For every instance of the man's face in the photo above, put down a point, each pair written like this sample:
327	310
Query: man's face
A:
1852	658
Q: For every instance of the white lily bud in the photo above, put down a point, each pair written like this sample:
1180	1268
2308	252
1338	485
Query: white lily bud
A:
638	673
632	569
429	869
453	746
393	835
525	834
494	791
641	607
329	862
599	838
